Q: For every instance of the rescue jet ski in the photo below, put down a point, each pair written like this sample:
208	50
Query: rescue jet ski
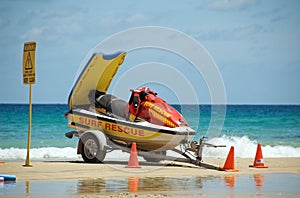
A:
101	120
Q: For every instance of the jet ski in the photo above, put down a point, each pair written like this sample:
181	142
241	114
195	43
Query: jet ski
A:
101	120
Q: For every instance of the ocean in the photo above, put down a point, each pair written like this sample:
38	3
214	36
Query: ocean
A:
275	127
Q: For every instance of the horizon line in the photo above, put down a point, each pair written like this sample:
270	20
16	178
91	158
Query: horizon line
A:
295	104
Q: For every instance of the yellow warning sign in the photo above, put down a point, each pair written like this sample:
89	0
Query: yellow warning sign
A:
29	63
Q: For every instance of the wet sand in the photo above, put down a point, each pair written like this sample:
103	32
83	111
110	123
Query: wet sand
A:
231	185
166	179
76	170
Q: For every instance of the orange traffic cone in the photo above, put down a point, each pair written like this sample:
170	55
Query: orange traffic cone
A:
133	159
229	163
258	161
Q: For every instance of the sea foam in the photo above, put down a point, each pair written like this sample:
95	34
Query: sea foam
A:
243	147
246	148
45	153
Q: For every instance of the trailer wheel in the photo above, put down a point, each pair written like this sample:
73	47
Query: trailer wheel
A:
93	146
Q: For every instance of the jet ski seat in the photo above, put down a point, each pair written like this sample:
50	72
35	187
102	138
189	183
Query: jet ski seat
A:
109	102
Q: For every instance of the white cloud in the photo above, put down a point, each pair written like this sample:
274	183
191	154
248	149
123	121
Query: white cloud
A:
68	29
53	32
230	4
33	33
110	20
56	15
137	18
51	25
125	19
246	32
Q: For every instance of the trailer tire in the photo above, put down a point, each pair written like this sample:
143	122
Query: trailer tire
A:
93	146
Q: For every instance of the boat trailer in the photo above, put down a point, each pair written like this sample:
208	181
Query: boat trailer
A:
192	152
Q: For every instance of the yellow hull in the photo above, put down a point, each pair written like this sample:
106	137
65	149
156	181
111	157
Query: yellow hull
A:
146	135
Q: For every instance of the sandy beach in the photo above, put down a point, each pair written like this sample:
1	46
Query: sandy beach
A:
74	170
165	179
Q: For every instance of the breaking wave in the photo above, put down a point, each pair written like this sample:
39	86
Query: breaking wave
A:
243	147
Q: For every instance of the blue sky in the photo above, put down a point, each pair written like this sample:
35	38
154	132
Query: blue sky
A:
255	43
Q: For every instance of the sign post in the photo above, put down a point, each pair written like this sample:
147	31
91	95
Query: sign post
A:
29	79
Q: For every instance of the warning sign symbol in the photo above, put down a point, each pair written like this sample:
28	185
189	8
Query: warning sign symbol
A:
29	63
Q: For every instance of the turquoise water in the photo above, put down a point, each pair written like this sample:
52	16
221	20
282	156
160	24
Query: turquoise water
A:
48	126
270	124
276	127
